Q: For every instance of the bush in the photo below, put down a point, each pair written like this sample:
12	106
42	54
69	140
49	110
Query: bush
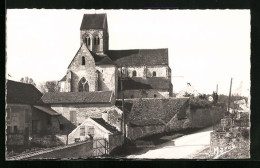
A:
200	103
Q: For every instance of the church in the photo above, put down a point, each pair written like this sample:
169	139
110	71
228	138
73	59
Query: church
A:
144	73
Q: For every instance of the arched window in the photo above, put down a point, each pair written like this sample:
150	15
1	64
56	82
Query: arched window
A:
87	40
83	85
134	73
154	73
83	61
154	95
132	96
96	41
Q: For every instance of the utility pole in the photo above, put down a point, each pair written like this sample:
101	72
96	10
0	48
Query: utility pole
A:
217	89
229	97
123	109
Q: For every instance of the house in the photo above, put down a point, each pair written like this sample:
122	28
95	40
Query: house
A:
95	67
187	91
25	115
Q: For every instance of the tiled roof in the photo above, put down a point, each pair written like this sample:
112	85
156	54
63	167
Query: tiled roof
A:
148	83
94	21
77	97
141	123
47	110
138	57
22	93
104	124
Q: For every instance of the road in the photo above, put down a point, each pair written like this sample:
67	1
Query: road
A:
184	147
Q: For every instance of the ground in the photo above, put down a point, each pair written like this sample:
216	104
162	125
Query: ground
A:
185	147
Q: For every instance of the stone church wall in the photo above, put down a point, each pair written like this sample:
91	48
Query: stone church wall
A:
147	93
161	71
107	78
78	70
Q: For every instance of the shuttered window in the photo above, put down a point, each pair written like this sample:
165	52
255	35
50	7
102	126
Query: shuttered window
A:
82	131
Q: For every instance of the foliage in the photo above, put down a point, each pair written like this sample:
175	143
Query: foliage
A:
49	86
245	133
203	96
28	80
199	103
224	99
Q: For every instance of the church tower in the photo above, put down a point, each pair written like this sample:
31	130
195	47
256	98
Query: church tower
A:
94	33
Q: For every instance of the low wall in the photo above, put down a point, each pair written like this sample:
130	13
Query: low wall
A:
49	140
75	151
115	141
139	132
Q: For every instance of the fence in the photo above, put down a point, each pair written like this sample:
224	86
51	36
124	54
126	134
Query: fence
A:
100	147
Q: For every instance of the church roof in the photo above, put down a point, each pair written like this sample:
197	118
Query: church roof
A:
148	83
137	57
98	97
94	21
22	93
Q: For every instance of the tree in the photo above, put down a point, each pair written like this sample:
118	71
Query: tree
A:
49	86
28	80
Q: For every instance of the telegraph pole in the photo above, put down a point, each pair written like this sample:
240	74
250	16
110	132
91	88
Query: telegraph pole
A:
229	97
123	108
217	89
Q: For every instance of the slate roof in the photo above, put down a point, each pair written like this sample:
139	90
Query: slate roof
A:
138	57
104	124
47	110
22	93
148	83
150	122
77	97
94	21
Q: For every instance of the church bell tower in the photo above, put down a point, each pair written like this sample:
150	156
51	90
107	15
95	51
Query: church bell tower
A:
94	33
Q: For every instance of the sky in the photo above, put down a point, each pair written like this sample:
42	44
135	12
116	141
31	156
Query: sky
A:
205	47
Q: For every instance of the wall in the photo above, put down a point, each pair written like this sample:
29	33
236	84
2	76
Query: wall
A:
18	115
107	78
99	132
78	70
134	133
146	71
49	140
115	141
84	111
145	93
75	151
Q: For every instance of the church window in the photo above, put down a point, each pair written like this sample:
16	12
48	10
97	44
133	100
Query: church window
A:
87	40
83	61
154	73
154	95
96	41
83	85
134	73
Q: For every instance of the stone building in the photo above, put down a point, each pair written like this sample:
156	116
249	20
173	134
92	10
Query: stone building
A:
26	116
146	72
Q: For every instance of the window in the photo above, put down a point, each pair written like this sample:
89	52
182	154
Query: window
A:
91	130
96	41
82	131
154	95
73	116
8	129
154	73
83	85
83	61
134	73
87	40
132	96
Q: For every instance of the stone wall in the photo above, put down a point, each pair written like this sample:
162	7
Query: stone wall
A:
78	71
76	151
49	140
134	133
115	141
145	93
107	78
84	111
146	71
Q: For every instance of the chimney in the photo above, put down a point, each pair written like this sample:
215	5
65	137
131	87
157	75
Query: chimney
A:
105	116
